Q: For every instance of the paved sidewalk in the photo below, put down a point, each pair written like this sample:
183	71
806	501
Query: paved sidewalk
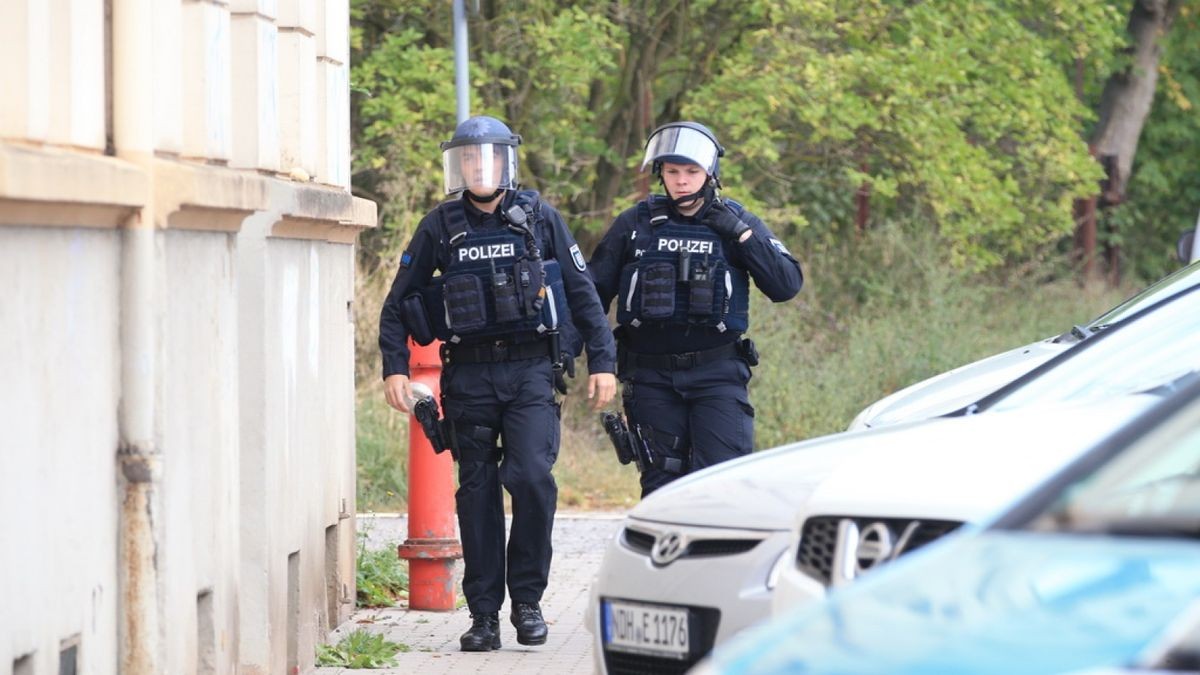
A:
579	541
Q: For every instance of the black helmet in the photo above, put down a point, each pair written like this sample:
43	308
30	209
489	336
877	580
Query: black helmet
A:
482	155
684	143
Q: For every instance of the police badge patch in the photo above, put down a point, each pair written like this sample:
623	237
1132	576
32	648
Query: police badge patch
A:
779	245
577	258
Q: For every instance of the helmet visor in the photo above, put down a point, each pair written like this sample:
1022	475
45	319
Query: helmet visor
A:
481	168
682	145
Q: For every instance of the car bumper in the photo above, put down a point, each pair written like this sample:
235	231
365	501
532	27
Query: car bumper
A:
721	579
795	588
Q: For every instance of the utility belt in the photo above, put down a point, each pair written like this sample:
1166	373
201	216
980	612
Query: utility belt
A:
743	348
496	351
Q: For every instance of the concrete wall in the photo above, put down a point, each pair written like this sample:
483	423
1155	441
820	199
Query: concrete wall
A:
58	353
177	469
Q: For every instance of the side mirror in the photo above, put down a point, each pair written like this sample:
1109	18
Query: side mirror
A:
1184	245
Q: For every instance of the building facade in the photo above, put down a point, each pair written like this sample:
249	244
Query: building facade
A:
177	463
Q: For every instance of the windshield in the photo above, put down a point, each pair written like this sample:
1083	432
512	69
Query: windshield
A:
1154	353
1151	488
1164	288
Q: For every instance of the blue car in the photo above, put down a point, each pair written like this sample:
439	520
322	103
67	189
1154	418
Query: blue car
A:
1098	570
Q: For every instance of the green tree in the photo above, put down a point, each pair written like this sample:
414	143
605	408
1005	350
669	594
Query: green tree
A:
1163	197
959	120
966	122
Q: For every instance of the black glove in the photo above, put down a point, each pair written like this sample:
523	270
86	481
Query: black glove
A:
723	221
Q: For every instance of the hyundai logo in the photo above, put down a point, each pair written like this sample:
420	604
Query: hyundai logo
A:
667	548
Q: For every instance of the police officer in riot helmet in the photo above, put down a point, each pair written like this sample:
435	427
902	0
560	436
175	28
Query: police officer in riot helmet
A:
513	304
679	266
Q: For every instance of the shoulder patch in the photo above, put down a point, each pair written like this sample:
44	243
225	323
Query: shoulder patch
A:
405	260
779	245
577	258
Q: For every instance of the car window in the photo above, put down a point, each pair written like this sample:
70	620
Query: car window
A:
1151	488
1164	288
1154	353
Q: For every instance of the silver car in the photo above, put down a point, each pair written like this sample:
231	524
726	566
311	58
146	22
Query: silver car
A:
698	560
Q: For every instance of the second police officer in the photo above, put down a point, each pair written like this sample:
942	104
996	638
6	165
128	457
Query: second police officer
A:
512	278
679	266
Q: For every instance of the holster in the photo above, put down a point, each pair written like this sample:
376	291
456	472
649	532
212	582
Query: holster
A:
619	435
748	351
487	437
425	410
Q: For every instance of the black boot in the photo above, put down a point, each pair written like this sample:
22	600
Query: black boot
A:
531	627
484	634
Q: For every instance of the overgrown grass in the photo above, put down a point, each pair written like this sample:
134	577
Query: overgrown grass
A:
380	575
360	649
382	452
588	473
875	316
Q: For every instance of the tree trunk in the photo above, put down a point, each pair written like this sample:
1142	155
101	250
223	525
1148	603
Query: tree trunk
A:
1127	96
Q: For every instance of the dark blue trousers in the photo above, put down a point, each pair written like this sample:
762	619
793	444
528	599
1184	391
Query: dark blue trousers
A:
517	398
706	407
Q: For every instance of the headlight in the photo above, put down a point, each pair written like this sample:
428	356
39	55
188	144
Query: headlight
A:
777	569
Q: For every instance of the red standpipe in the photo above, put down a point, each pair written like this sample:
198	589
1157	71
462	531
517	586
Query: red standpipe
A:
431	547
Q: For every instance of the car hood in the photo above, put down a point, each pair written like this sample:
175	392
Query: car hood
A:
967	468
990	602
956	388
766	489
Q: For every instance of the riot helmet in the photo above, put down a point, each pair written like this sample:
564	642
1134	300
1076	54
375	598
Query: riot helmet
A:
480	158
684	143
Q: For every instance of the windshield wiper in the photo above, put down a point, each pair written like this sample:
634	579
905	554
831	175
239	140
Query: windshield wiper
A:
1076	334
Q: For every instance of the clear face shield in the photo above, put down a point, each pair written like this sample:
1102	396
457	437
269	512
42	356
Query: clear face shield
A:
682	142
481	168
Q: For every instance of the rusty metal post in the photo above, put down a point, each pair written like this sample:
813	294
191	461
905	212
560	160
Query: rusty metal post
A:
431	547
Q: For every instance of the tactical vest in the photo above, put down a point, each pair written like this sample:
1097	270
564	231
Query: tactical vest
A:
495	285
681	275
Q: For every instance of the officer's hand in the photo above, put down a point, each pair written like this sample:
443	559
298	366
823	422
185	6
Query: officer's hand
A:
721	220
601	387
398	391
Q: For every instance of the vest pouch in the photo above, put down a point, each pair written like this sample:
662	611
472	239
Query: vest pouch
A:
416	319
658	290
702	280
508	308
700	298
530	277
465	305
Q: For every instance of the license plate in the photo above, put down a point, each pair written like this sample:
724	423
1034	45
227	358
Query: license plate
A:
656	630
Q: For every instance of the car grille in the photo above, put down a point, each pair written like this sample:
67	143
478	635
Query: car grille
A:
703	626
643	542
819	538
639	541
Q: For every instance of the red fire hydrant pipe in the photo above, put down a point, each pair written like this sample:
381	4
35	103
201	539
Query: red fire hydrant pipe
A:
431	547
